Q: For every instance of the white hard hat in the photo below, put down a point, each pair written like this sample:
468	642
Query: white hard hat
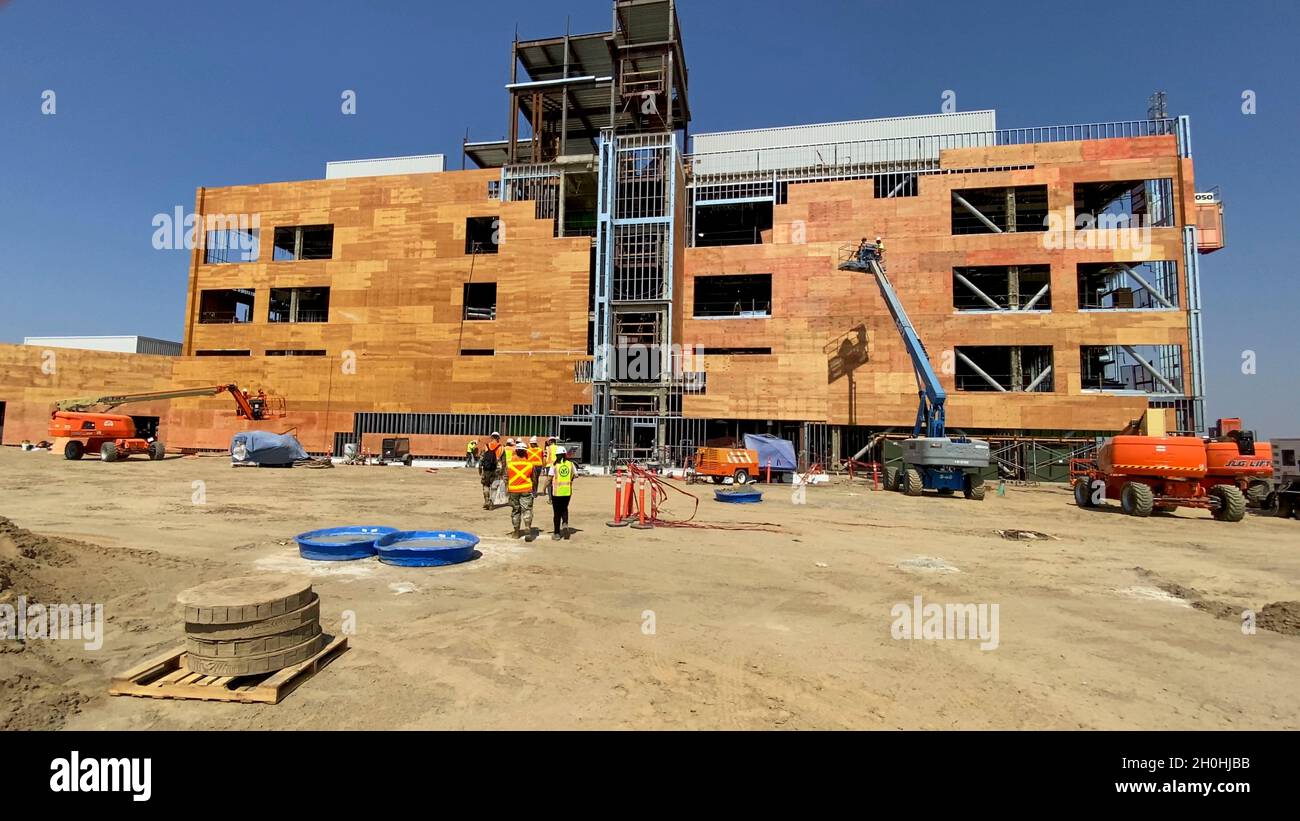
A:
497	434
532	441
560	451
510	441
520	445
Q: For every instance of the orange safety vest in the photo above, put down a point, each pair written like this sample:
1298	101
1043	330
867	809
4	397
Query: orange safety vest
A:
535	456
521	476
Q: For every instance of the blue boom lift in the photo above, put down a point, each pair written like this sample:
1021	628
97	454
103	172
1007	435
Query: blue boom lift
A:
932	459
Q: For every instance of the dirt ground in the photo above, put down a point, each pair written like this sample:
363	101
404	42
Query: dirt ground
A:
1117	623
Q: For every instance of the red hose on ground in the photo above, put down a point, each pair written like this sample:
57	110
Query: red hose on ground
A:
658	498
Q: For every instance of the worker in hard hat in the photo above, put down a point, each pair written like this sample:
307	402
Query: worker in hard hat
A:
536	458
561	473
490	467
519	484
471	453
548	459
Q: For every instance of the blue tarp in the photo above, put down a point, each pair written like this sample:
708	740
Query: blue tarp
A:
772	451
259	447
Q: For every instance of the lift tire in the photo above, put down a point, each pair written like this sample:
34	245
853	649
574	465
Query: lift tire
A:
740	477
891	478
975	490
73	451
1232	503
1083	492
108	452
1257	493
912	482
157	450
1137	499
1285	507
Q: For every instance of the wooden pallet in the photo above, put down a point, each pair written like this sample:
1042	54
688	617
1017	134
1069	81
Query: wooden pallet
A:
165	676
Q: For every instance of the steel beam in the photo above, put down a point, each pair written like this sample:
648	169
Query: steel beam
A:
1140	281
988	300
976	212
1038	379
964	358
1029	306
1150	369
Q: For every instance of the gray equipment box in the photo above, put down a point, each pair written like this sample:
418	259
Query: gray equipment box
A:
943	452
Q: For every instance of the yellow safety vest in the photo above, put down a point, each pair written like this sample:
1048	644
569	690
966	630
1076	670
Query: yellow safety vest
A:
563	478
550	454
521	476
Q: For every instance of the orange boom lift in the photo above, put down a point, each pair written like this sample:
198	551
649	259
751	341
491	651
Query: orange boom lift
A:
1148	471
113	435
1233	457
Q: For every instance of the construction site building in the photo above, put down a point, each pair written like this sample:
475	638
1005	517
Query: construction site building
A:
589	277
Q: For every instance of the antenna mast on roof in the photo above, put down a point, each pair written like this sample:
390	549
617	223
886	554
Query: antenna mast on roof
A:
1158	106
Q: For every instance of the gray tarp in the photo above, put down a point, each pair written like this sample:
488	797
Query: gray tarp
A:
773	451
259	447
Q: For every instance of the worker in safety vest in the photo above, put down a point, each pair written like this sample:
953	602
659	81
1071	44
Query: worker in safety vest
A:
471	453
490	467
548	459
519	484
561	473
536	458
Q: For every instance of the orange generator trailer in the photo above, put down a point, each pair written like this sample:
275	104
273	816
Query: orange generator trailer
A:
1233	457
1156	473
113	435
716	464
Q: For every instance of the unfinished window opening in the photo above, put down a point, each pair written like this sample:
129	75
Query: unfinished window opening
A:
999	210
641	182
228	245
1124	204
733	296
640	259
1288	458
1002	288
480	301
639	354
1150	369
737	351
1128	286
297	242
477	351
482	235
295	352
887	186
635	405
740	223
225	306
299	305
1004	368
215	352
580	191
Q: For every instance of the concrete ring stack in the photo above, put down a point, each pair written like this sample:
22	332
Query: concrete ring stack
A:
248	626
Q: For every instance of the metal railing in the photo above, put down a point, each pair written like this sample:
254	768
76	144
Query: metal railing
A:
855	157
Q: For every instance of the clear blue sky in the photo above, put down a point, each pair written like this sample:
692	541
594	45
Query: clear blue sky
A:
156	98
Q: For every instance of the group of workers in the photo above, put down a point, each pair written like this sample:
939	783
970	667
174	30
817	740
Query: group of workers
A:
530	469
